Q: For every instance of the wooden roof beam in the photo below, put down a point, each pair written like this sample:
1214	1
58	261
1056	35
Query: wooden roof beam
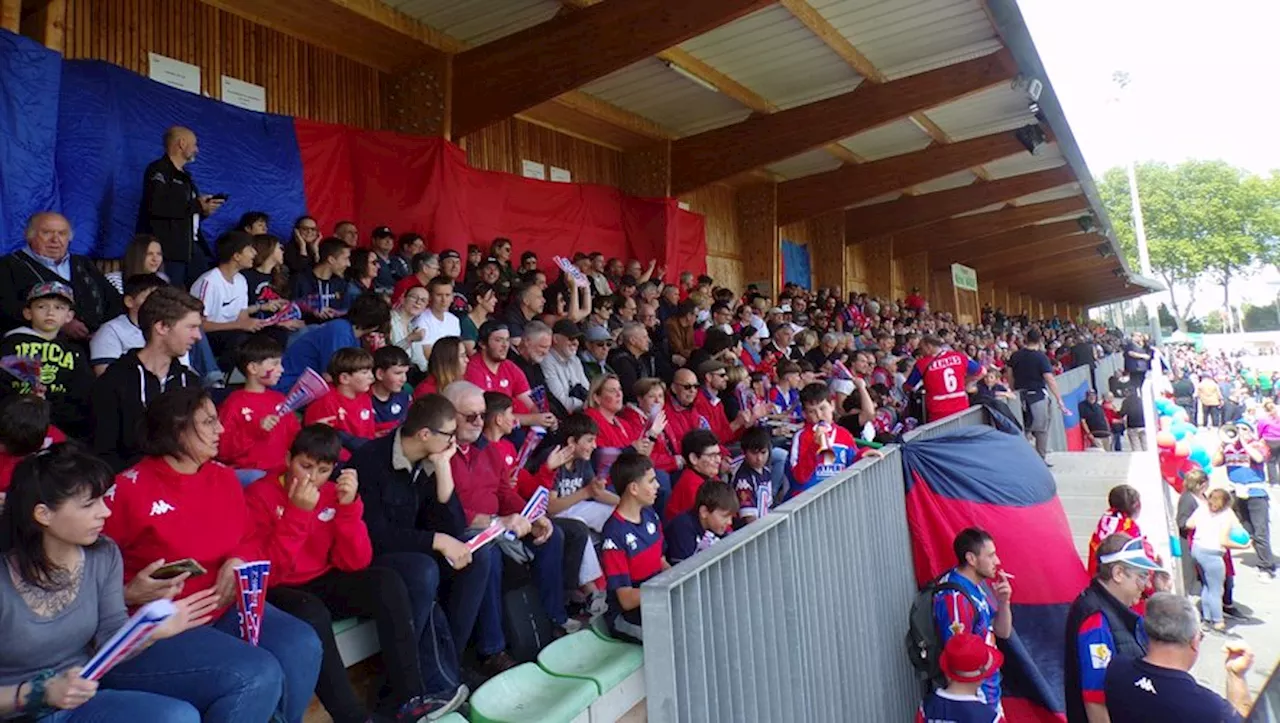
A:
499	79
1031	253
1010	240
1043	277
1046	259
707	157
908	213
820	193
937	237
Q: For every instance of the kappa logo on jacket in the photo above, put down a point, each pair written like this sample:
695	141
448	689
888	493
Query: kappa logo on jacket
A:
160	507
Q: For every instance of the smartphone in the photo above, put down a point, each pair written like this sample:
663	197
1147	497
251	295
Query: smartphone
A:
174	569
220	196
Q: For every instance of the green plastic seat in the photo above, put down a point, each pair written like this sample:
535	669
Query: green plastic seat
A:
587	656
452	718
343	625
529	694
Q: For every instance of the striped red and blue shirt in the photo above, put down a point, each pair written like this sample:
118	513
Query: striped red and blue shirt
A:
631	553
973	611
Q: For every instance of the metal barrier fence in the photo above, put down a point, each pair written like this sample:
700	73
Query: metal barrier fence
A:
798	617
1104	370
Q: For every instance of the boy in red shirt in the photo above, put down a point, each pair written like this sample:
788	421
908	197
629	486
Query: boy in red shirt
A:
313	532
255	436
822	449
702	455
348	407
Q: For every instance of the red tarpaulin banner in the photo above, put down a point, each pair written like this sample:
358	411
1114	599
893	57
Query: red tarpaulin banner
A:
414	183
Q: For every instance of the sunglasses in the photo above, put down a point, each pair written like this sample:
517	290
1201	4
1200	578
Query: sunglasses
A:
678	385
475	418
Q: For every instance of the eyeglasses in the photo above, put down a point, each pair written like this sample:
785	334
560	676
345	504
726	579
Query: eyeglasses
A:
475	418
447	435
678	385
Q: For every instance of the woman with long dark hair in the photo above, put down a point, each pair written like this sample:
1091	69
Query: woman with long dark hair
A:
363	271
447	364
303	250
177	503
143	255
62	597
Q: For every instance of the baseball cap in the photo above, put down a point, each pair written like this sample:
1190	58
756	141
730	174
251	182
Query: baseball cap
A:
1133	555
46	289
492	260
383	232
598	333
489	328
710	366
449	254
968	659
564	327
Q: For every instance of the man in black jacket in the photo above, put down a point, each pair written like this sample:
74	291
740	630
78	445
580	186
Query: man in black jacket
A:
46	258
1102	626
172	208
410	504
631	359
170	319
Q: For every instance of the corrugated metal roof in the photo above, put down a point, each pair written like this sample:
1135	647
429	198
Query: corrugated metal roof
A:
905	37
476	22
651	89
892	139
1050	157
806	164
1053	194
999	108
955	180
773	54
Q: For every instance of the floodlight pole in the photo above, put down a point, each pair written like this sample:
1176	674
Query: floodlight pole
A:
1121	79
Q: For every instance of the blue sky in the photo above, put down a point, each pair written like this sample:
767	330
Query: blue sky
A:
1203	85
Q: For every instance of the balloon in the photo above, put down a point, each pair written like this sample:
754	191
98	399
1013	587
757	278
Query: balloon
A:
1178	434
1166	423
1238	535
1181	415
1165	439
1164	407
1200	456
1182	449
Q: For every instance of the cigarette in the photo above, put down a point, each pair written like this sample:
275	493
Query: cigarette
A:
1007	574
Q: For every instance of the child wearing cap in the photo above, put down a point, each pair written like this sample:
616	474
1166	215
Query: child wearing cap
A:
65	378
966	660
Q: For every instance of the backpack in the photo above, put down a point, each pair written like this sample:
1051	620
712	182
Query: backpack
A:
924	648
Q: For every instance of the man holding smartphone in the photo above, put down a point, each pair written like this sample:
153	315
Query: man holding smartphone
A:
172	208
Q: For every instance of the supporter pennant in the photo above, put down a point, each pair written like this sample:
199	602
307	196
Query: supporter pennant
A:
309	387
539	396
764	499
25	369
251	602
288	312
535	508
574	272
129	638
489	534
531	441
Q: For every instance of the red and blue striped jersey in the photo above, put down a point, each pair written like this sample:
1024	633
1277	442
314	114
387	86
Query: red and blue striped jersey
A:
972	611
808	466
1095	647
943	707
631	553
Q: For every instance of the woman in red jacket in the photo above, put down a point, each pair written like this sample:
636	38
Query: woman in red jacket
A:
314	534
604	406
177	503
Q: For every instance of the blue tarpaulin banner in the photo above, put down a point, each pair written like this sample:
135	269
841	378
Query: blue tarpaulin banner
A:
29	78
795	265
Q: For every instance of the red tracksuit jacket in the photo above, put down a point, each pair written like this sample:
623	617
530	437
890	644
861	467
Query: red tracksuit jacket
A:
304	545
244	444
158	512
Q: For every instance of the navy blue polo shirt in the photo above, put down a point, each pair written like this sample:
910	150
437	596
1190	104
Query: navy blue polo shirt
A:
1139	692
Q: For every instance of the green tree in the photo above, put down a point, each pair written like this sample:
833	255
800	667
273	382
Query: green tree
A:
1203	219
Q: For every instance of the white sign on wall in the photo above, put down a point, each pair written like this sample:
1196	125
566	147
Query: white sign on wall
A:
561	175
174	73
245	95
533	169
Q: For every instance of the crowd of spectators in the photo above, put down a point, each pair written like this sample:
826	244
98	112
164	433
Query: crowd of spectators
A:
659	411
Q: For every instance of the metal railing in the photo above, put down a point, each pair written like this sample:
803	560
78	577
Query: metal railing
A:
784	620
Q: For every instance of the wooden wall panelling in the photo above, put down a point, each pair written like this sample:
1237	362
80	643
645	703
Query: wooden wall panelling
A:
724	252
502	147
417	99
11	15
827	251
300	79
915	273
46	24
756	211
855	269
646	171
881	272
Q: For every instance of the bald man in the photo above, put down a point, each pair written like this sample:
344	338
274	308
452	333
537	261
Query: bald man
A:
172	208
47	257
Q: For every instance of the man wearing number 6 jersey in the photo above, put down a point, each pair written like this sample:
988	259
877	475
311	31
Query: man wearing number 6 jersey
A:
946	374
